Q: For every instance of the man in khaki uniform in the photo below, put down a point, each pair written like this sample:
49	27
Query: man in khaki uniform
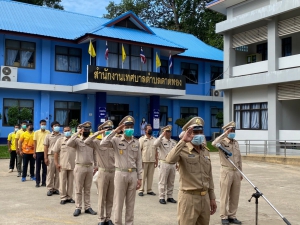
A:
196	197
166	170
230	178
150	158
64	158
84	168
128	163
52	180
106	172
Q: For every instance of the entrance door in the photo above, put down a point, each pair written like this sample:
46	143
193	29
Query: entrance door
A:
116	112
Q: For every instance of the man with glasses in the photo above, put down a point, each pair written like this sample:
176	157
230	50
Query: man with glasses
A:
230	178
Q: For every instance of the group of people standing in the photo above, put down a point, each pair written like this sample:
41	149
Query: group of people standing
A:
126	164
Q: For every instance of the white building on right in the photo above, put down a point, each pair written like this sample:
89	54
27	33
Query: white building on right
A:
261	80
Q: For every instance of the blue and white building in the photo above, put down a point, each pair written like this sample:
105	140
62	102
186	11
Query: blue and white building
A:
45	66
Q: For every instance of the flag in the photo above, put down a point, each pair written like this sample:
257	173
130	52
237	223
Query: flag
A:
158	63
170	61
91	49
123	54
143	57
106	52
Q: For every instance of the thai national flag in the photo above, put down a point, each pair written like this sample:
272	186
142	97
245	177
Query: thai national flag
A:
106	52
170	61
143	57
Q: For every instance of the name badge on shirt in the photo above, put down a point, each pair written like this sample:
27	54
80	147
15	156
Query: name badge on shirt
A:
134	146
121	144
191	155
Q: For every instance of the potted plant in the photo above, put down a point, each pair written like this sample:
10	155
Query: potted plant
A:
73	124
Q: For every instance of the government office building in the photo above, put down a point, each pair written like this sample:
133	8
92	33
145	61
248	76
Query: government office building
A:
261	79
46	67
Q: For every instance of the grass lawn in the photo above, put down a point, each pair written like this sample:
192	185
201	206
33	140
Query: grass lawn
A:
212	148
4	154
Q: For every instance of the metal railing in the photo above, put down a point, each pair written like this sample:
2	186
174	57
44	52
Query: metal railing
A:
270	147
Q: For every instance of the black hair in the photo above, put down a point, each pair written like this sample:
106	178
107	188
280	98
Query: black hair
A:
148	125
43	121
24	121
54	123
29	124
17	125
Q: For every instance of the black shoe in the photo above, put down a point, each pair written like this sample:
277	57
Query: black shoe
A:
71	200
43	185
224	221
151	193
102	223
77	212
162	201
37	185
90	211
141	194
171	200
109	222
62	202
49	193
56	192
235	221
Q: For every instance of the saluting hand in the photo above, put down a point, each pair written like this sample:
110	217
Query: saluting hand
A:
213	206
187	137
119	128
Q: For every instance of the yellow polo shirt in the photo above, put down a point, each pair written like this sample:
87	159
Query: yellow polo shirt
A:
11	137
39	137
18	135
28	144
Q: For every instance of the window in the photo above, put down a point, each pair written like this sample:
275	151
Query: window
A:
133	59
216	73
186	112
66	111
214	121
242	48
163	114
20	54
251	116
164	68
68	59
190	71
263	50
21	103
286	46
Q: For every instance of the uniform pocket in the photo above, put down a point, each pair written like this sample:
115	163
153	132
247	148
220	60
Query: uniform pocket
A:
193	165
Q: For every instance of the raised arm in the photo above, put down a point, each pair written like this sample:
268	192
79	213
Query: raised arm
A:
158	140
90	139
221	137
72	141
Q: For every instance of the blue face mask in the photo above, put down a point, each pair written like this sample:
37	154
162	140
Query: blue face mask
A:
43	127
67	134
231	135
56	129
129	132
198	139
107	132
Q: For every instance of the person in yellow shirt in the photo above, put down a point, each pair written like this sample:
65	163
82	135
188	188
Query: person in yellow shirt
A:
12	148
38	138
19	156
26	146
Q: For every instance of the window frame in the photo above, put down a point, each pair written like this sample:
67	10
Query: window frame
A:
286	43
263	50
164	64
218	77
187	79
214	114
68	109
68	55
190	114
21	49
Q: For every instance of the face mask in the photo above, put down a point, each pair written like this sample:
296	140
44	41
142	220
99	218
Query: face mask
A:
16	129
43	127
56	129
231	135
129	132
86	133
107	132
30	129
67	133
24	126
198	139
143	120
149	132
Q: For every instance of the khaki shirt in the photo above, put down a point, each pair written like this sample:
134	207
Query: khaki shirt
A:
127	154
105	155
66	154
50	140
164	146
194	168
85	154
147	148
233	147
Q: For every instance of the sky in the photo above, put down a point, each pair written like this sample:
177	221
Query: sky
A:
88	7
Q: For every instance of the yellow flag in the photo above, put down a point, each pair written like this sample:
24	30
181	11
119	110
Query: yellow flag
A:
91	49
158	63
123	54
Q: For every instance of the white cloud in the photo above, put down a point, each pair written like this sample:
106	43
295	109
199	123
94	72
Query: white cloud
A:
88	7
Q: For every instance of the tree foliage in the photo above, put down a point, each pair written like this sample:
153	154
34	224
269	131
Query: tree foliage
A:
49	3
13	115
188	16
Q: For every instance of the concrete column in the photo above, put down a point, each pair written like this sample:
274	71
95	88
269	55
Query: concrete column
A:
45	67
45	110
274	45
228	106
100	109
229	56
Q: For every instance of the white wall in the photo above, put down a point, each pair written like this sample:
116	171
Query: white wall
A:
290	115
249	6
250	95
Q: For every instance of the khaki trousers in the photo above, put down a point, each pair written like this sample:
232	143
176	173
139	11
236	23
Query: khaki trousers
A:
66	181
148	173
83	178
166	179
19	163
125	190
230	185
193	209
105	195
52	180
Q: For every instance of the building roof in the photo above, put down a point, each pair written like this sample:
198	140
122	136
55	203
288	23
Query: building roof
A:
43	21
222	5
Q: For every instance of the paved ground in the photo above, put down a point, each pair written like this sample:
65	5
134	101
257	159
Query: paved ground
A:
22	203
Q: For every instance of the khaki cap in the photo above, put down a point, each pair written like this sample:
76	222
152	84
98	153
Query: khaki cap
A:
196	122
229	125
127	120
86	125
106	125
166	128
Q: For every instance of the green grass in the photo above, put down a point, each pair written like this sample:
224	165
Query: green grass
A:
4	154
211	148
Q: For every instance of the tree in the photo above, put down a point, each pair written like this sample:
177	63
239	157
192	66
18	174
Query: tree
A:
13	115
25	114
49	3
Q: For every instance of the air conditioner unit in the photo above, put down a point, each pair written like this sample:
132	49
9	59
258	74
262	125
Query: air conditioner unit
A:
9	73
215	135
215	93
